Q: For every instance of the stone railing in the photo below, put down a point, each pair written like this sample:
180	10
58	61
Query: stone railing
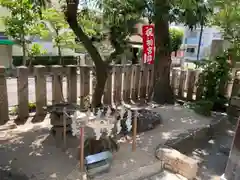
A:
125	83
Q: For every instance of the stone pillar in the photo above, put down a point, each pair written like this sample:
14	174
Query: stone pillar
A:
135	82
143	77
127	71
199	88
72	83
107	97
236	86
117	72
84	84
191	84
57	90
22	85
232	171
174	81
40	89
182	82
3	97
149	79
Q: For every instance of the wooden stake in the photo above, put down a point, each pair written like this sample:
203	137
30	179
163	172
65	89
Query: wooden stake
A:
82	149
134	142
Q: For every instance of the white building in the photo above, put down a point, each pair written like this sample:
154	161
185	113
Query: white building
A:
191	42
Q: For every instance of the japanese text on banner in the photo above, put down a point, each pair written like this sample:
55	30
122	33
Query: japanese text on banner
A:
148	44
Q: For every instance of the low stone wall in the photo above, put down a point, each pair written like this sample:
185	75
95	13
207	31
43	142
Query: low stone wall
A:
175	158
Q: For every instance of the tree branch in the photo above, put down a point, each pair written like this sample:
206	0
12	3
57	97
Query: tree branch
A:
71	17
114	55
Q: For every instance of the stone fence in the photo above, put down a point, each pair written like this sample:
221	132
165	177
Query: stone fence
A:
125	83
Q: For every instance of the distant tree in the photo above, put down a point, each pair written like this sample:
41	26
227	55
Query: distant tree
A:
22	24
227	17
62	36
176	36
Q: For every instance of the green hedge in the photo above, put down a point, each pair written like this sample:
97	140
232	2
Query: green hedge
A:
46	60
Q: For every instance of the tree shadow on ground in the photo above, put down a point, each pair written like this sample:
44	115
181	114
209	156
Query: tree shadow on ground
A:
37	154
11	175
213	155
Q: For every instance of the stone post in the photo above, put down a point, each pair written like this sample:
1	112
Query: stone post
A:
84	83
174	81
149	79
182	82
107	97
72	83
199	91
127	71
232	171
57	90
40	89
135	82
236	86
191	84
117	71
3	97
22	85
142	82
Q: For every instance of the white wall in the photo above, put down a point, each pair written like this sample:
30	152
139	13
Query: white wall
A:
209	34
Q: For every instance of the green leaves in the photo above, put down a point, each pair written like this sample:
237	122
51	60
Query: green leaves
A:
176	36
120	17
91	21
62	36
227	17
22	19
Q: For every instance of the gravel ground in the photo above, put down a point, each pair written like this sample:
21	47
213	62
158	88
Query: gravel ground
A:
32	150
213	155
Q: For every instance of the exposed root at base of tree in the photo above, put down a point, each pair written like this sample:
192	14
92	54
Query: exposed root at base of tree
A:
163	94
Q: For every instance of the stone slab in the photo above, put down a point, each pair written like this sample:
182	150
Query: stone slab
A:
178	163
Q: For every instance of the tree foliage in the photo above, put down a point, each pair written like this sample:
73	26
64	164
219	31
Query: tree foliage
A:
227	17
91	22
62	36
22	24
176	36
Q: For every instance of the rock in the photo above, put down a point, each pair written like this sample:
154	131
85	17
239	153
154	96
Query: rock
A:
183	142
146	120
177	162
8	126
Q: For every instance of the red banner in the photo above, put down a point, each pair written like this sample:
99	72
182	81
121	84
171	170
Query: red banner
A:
148	44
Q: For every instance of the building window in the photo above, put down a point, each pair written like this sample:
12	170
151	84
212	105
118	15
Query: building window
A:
190	50
192	34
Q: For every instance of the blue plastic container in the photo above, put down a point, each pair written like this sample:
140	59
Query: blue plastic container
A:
98	163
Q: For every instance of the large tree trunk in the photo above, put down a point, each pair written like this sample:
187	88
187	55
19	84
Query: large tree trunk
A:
101	76
101	66
163	93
